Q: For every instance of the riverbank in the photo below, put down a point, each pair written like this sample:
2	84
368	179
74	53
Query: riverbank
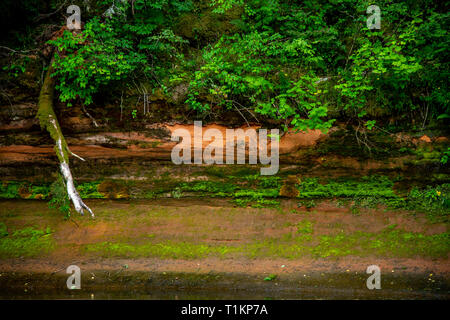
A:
194	248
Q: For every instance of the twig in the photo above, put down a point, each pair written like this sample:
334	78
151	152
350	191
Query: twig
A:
121	105
47	15
241	114
364	140
426	113
19	52
246	109
91	117
383	130
63	268
77	156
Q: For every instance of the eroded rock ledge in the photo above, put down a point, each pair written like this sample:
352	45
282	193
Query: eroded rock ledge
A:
27	153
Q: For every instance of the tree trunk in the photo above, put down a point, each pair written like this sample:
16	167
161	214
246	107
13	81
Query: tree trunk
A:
48	121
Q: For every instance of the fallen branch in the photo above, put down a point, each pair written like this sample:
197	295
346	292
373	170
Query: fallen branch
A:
90	117
48	15
47	119
19	52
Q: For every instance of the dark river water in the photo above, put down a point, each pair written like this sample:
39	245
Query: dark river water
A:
221	286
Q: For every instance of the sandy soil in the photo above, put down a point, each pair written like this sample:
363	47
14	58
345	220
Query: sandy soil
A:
287	267
209	222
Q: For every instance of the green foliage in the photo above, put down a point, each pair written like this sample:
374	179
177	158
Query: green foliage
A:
166	249
270	182
17	67
301	63
9	190
177	193
304	227
434	201
388	242
242	190
113	49
272	65
59	197
17	190
260	191
56	190
250	71
308	204
445	156
89	190
372	191
379	62
370	186
3	230
270	277
259	202
90	60
26	242
212	187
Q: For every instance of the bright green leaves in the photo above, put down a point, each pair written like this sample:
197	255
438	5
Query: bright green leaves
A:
261	71
302	104
270	64
162	43
380	62
370	124
117	48
222	6
90	60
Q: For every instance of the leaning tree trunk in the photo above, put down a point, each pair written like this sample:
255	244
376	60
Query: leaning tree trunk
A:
48	121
